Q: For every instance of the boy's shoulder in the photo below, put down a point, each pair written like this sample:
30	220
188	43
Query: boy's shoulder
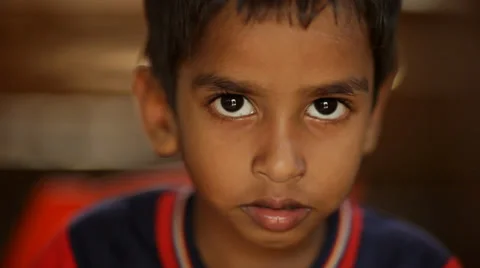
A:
392	242
124	226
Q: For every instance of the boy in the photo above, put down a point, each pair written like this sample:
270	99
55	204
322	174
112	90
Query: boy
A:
272	105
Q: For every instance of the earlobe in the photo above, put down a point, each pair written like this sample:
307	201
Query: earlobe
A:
157	117
370	143
376	118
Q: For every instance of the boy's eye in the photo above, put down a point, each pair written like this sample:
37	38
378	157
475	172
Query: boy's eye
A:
231	105
327	109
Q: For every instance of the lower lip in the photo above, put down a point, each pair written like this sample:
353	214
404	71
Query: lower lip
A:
277	220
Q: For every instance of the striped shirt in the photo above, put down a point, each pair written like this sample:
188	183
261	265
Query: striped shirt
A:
154	230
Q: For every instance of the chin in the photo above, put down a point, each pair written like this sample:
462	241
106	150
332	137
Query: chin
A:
275	240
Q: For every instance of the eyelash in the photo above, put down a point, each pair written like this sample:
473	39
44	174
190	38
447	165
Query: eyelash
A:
217	95
348	103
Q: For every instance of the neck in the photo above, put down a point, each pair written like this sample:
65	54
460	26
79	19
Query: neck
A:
220	245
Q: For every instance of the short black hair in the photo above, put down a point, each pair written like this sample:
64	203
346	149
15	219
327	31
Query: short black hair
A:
175	26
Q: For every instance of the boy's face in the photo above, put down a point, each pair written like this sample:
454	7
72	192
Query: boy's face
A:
272	121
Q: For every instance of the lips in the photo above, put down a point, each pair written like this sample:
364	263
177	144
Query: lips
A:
277	215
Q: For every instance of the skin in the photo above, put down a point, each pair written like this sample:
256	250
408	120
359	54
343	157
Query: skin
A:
279	147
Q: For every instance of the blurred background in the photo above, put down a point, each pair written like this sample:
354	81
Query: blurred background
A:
69	133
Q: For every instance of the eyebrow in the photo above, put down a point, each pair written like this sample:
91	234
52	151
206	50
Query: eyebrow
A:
223	83
349	86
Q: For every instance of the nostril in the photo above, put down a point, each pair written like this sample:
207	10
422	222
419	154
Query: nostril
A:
280	178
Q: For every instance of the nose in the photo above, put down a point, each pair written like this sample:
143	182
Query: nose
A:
279	157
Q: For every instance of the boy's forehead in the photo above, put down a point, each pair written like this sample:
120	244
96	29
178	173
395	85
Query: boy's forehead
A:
334	39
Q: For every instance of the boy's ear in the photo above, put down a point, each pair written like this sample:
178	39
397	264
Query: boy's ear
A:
158	118
376	118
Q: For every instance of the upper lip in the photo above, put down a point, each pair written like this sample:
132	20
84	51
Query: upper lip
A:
278	203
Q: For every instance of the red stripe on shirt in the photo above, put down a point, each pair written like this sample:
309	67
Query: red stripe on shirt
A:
164	231
58	254
350	255
453	263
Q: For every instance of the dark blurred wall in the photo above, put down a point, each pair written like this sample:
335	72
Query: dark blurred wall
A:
14	189
427	168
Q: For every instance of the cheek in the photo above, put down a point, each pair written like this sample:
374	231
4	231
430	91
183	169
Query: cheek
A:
219	169
333	163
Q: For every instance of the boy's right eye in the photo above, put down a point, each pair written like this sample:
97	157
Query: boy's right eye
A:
233	106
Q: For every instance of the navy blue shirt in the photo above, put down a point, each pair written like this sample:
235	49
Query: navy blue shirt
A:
154	230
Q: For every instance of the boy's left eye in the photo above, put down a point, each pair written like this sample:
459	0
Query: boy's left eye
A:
327	109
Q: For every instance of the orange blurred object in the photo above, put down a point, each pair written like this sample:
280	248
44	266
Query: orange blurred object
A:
57	200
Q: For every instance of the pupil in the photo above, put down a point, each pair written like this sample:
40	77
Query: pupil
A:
326	106
232	103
